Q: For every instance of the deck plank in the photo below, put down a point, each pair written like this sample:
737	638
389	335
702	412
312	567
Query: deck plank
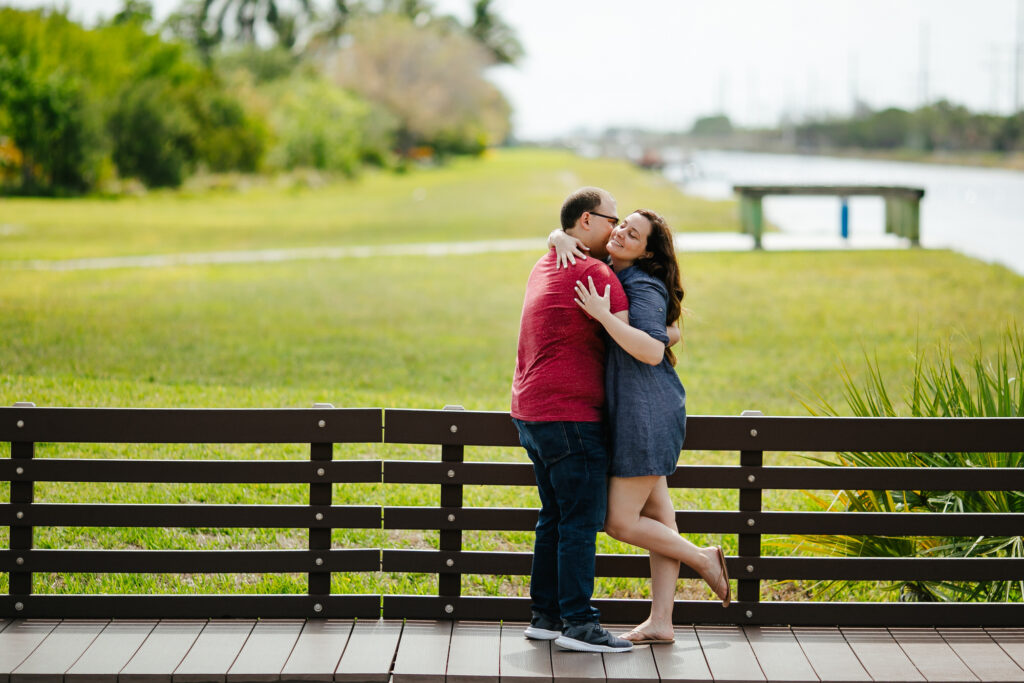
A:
214	651
58	652
522	660
830	655
318	650
779	654
162	652
683	661
19	640
370	651
568	666
931	655
637	666
108	654
1011	640
423	652
982	656
266	651
729	655
880	655
474	653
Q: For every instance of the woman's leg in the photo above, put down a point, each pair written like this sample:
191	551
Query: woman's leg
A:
627	497
664	569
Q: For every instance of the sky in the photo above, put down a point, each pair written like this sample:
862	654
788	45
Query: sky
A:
661	64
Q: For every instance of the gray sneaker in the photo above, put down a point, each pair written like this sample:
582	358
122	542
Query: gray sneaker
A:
543	627
591	637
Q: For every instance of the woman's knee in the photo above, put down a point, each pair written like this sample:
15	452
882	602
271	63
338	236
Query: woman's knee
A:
617	525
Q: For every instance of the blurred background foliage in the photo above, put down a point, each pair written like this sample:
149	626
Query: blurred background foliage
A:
243	85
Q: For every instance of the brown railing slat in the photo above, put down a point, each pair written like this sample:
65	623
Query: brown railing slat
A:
191	561
153	425
245	516
885	434
881	568
472	428
851	478
190	606
472	473
496	519
854	523
192	471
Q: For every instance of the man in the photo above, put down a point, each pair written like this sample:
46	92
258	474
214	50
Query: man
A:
557	407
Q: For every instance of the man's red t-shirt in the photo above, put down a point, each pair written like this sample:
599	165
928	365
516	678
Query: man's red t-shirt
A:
560	363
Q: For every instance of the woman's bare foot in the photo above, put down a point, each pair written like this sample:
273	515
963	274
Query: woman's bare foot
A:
714	573
650	632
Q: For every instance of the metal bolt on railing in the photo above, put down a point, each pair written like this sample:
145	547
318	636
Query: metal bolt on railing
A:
451	474
19	470
319	516
19	560
751	478
750	522
449	608
318	608
319	561
320	471
450	562
451	518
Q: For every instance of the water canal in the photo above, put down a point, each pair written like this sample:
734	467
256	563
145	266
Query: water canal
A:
976	211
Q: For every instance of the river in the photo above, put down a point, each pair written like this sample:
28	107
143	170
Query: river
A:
975	211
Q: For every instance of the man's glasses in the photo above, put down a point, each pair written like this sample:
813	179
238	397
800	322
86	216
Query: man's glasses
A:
613	219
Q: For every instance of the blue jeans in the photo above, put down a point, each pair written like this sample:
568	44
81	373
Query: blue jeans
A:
570	460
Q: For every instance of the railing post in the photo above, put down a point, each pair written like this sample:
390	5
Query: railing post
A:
320	494
22	494
749	544
449	580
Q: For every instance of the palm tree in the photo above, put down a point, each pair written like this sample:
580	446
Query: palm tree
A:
246	15
493	33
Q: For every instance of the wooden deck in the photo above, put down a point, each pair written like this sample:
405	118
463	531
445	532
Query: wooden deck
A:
171	651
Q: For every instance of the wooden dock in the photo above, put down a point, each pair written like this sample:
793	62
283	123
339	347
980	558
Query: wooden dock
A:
246	650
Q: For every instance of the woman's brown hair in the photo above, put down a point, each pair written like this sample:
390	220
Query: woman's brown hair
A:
663	265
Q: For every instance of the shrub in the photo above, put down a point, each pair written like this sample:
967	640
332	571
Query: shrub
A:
153	134
940	388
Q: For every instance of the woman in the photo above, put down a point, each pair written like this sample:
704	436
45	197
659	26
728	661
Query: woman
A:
646	411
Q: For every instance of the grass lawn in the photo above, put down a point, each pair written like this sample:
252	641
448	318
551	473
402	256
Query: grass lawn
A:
765	331
511	194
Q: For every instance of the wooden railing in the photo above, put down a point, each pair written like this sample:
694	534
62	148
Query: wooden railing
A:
454	430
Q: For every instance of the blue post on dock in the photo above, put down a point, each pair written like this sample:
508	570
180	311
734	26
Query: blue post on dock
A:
844	218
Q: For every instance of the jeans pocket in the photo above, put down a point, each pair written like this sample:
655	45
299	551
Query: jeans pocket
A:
551	441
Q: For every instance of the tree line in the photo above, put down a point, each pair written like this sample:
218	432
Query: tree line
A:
939	127
243	85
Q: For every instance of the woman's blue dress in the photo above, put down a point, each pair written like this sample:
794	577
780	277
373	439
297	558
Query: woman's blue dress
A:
646	403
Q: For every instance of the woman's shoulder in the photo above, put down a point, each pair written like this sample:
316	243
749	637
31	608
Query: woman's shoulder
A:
634	277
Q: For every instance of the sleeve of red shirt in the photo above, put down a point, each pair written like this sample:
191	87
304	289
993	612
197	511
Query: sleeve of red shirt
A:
603	275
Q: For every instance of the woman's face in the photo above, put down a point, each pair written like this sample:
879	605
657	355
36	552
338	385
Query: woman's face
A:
629	240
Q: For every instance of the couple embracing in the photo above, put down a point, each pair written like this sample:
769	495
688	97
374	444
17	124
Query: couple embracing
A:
601	412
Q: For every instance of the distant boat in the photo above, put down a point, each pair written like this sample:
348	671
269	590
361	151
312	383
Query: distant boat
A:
651	160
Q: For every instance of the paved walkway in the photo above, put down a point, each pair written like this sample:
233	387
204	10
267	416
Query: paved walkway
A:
137	651
685	242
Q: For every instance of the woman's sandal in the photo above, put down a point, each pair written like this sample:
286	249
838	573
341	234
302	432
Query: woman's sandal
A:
643	638
724	593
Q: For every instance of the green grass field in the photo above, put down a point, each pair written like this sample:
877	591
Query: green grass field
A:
764	331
